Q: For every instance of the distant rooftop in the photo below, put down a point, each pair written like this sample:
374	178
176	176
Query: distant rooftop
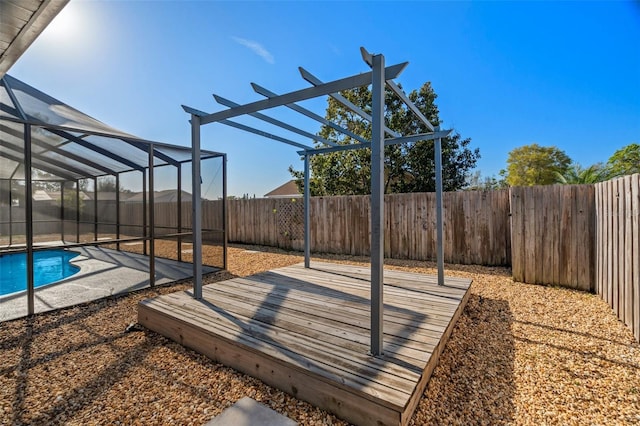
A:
289	189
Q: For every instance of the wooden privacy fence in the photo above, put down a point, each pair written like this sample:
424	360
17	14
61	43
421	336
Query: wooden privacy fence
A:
476	225
617	242
552	235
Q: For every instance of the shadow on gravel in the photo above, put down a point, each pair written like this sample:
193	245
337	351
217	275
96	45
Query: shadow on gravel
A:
48	372
474	380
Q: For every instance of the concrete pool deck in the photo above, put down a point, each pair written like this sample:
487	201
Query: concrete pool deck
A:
103	272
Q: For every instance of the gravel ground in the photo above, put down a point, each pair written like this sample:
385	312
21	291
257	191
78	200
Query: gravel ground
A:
520	354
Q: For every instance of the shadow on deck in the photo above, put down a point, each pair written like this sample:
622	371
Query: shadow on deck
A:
306	331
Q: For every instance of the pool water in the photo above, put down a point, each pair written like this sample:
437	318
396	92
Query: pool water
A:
48	266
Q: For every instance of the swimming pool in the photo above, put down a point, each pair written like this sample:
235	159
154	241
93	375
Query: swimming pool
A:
48	266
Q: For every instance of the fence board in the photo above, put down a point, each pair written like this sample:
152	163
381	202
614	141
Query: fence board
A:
628	251
553	234
635	237
341	225
618	248
517	235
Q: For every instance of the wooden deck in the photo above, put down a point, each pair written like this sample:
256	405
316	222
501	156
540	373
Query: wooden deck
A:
306	331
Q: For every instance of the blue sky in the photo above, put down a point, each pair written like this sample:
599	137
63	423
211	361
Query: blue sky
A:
506	73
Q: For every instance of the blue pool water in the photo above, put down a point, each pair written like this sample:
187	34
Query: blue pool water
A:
48	266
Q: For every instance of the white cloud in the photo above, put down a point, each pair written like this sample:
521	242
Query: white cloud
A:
257	48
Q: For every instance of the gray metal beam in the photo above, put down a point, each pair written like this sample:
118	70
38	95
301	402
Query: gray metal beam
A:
95	148
307	214
196	207
439	223
225	214
179	210
144	147
13	98
398	91
344	101
29	220
74	157
301	95
34	141
117	210
377	206
387	142
48	126
152	220
367	57
270	120
263	133
269	94
46	167
95	209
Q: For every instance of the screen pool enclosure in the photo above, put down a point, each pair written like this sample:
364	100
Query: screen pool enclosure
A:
379	78
68	181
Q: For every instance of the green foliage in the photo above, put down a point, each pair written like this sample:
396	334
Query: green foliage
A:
625	161
535	165
477	182
408	167
576	174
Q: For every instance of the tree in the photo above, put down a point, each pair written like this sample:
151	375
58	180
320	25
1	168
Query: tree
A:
477	182
625	161
576	174
535	165
408	167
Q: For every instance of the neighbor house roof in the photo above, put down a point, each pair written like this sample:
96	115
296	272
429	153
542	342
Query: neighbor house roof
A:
289	189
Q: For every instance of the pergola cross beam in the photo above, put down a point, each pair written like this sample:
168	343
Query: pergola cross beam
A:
271	120
387	142
344	101
295	107
368	58
301	95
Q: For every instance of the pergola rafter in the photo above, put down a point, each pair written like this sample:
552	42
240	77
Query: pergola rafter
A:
264	92
379	77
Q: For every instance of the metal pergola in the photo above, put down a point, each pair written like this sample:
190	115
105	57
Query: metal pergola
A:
43	137
379	77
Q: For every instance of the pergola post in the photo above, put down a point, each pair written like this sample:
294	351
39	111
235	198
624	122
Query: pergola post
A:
225	216
439	225
307	213
78	211
28	199
10	212
144	211
152	229
179	212
196	210
62	211
377	205
95	209
118	211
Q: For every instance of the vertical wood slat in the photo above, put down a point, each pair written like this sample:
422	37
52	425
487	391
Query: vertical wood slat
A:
618	248
635	237
628	252
553	231
517	234
340	225
610	242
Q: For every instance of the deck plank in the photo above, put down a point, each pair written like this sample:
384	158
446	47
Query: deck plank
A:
306	331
